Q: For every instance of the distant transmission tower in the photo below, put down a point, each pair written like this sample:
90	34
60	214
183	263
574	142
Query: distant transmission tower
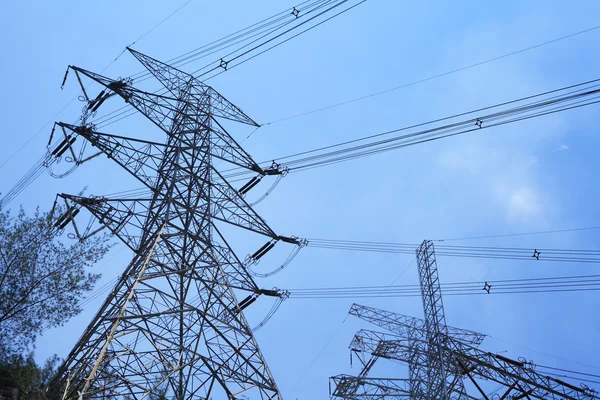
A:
443	362
172	326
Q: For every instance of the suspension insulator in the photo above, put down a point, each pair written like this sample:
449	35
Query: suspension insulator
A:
250	184
61	144
263	250
69	143
66	218
91	103
65	78
98	104
51	135
245	303
260	250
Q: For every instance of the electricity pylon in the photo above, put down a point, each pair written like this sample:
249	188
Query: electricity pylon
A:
443	362
172	325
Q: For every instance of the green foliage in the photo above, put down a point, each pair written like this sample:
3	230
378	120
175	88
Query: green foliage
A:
41	279
27	374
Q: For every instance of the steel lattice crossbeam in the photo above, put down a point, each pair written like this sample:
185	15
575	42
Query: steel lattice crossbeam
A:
441	359
172	323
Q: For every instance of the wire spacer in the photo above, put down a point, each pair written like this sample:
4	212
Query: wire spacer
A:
487	287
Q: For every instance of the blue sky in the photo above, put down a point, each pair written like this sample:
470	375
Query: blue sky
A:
532	176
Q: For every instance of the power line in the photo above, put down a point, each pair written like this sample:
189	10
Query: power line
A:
318	356
520	234
546	103
432	77
504	253
578	283
258	37
542	353
534	106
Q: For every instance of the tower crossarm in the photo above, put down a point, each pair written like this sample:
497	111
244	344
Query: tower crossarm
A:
402	325
365	388
141	158
229	206
412	350
167	112
122	217
381	344
181	83
520	378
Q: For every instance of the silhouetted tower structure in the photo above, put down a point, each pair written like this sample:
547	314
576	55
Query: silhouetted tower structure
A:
172	324
443	362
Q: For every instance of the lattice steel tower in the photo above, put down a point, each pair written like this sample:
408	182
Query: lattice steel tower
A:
443	362
172	325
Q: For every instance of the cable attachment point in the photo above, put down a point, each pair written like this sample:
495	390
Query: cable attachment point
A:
92	201
282	294
295	12
293	240
118	84
276	169
536	254
223	64
479	122
487	287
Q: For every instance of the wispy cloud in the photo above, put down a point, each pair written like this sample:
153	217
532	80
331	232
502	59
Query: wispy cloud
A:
523	204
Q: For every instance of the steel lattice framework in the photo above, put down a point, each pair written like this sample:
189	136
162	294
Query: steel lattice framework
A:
172	324
441	359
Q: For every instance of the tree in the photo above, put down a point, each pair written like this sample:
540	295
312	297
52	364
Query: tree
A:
26	374
42	279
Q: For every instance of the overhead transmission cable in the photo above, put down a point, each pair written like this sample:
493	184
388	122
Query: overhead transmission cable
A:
212	48
579	283
518	234
413	83
269	33
550	102
534	106
489	252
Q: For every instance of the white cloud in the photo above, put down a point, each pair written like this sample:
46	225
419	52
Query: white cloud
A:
523	204
563	147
